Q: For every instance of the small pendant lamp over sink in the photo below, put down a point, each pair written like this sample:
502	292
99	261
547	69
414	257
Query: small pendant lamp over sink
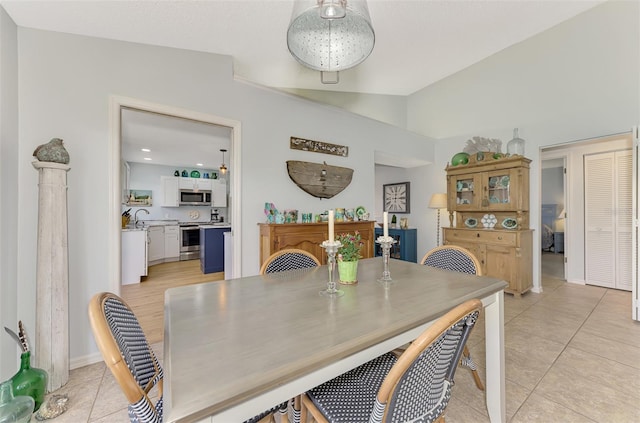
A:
223	167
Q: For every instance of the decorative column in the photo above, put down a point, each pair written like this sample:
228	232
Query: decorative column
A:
52	276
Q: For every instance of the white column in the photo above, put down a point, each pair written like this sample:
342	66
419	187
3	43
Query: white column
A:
52	274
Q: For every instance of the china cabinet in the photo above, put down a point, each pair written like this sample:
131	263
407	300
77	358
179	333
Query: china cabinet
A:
405	247
308	236
489	198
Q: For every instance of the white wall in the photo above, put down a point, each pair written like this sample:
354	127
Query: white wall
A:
9	361
575	81
391	109
65	84
551	187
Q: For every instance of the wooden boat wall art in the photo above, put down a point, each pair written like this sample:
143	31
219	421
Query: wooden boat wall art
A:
319	179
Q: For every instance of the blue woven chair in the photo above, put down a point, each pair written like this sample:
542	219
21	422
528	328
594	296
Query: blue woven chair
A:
457	259
415	387
288	259
132	362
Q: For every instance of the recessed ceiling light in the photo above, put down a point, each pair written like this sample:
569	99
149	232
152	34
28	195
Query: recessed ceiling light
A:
146	150
148	158
199	164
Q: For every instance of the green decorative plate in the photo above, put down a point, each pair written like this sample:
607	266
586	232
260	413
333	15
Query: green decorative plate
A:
360	211
195	174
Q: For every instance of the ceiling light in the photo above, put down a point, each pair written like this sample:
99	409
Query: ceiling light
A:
223	167
148	158
146	150
330	35
199	164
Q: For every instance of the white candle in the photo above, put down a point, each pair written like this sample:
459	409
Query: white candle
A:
331	235
385	223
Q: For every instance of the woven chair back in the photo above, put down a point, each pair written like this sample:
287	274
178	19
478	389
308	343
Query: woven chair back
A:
289	259
452	257
126	352
418	388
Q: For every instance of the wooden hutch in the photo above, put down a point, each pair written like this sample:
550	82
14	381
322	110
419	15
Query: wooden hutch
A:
308	236
490	199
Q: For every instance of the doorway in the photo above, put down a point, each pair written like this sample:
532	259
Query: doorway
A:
117	104
552	232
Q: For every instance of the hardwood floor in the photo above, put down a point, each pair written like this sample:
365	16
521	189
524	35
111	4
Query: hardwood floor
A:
146	299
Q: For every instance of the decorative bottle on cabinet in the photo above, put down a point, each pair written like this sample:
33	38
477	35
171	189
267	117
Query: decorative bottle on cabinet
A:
516	145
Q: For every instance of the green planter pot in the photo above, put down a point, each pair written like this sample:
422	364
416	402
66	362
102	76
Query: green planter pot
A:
348	272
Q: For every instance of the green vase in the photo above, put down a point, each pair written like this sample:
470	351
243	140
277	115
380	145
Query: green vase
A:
30	381
348	272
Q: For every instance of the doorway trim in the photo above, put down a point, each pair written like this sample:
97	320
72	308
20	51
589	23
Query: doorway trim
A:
116	103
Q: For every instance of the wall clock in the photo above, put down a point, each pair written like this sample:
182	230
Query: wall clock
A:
395	197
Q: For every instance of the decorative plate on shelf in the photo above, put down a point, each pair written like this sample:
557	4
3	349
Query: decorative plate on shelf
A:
194	214
489	221
509	223
471	222
195	174
360	211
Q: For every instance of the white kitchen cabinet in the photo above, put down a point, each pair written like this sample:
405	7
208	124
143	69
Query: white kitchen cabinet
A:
195	184
219	193
156	244
171	243
134	256
170	191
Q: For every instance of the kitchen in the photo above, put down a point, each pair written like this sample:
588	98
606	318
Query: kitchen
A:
174	194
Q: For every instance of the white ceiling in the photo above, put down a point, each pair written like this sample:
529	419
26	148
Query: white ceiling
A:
418	42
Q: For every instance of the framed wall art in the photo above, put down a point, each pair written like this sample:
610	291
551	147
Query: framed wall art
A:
395	197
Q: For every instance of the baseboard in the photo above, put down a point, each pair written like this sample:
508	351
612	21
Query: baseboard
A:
76	363
576	281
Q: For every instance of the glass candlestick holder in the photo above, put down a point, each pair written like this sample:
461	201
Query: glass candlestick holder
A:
332	249
385	242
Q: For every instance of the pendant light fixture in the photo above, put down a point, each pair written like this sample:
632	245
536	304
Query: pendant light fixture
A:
330	35
223	167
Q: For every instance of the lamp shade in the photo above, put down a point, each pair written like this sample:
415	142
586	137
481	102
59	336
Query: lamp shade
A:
438	201
330	36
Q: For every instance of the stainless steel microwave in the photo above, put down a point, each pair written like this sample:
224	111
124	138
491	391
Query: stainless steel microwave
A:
189	197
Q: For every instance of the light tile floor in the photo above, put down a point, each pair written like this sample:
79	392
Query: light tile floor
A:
572	355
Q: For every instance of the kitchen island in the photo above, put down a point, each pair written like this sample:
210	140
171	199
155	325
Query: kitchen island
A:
212	247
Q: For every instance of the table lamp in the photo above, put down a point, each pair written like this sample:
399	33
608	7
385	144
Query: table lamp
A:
438	201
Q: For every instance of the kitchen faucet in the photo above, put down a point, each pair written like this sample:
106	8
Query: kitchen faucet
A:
135	216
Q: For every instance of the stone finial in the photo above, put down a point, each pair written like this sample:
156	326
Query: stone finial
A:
53	151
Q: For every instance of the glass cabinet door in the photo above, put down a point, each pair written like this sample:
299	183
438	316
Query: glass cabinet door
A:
500	190
466	190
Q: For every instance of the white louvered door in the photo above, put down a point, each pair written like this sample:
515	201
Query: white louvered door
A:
608	219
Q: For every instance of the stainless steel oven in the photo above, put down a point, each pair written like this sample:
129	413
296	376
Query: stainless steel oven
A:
189	242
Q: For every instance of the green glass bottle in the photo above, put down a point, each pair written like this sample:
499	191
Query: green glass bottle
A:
30	381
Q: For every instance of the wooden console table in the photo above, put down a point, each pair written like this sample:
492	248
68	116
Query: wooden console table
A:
308	236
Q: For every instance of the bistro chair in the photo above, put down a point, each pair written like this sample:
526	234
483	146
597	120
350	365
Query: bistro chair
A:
288	259
126	352
457	259
415	387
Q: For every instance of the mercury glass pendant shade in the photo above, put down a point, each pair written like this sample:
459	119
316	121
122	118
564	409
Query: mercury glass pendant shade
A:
516	145
330	36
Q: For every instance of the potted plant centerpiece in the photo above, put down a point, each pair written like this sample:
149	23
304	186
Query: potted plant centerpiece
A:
348	256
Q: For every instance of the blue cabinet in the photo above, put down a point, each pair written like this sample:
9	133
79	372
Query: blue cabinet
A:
406	246
212	249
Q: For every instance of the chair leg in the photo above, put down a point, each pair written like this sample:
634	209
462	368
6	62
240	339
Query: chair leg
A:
474	373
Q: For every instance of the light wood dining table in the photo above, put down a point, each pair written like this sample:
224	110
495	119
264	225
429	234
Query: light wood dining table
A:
235	348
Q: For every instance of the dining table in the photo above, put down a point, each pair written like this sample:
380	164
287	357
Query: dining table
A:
234	348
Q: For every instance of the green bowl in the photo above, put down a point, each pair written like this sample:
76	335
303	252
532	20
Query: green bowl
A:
460	158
